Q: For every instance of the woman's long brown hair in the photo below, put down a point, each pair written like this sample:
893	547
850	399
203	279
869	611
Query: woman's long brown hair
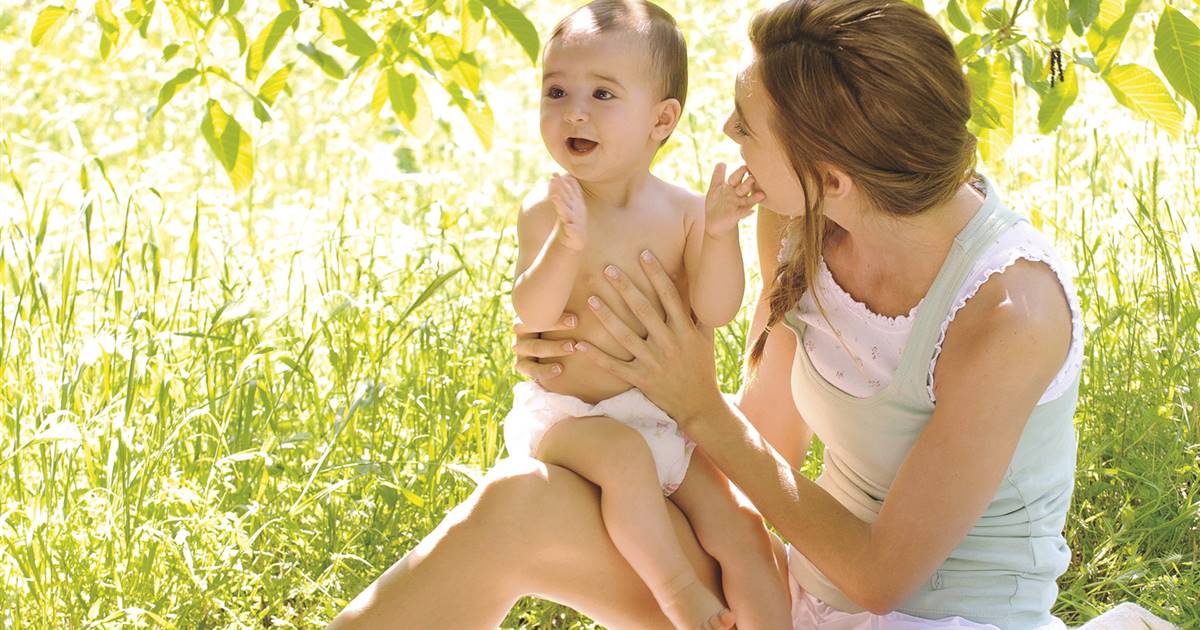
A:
874	88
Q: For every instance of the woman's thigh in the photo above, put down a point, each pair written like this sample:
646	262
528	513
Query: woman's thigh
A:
529	529
577	564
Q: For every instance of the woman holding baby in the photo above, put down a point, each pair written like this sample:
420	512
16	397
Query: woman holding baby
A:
927	334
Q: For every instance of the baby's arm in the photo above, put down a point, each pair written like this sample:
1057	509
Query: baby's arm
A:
713	255
551	234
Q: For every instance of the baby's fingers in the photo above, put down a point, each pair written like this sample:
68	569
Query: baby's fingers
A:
747	186
718	176
736	178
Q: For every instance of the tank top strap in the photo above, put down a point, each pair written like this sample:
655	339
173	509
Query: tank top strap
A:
972	241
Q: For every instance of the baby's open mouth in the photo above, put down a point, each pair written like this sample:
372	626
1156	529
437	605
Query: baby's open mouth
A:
580	146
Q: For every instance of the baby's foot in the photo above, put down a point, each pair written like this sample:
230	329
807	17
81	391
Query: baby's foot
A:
693	607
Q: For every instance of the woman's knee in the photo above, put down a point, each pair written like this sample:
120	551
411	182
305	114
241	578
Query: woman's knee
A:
511	490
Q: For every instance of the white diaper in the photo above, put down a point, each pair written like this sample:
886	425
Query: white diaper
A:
535	410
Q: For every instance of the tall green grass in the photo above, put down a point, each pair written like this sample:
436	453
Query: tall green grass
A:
223	412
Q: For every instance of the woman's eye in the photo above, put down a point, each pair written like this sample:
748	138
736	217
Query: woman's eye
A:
555	92
603	95
739	129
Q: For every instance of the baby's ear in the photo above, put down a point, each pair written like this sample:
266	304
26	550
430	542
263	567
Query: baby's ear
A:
666	116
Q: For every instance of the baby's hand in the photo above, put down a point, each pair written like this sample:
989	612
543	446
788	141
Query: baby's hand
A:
729	201
567	196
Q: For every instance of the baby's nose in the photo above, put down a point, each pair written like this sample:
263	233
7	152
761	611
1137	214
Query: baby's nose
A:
576	116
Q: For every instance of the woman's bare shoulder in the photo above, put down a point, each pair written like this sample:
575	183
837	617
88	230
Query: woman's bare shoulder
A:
1023	306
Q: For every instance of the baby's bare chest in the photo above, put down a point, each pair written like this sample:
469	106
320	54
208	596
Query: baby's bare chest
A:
619	237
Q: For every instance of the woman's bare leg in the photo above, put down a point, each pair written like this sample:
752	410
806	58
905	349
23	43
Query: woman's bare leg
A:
731	530
529	529
616	458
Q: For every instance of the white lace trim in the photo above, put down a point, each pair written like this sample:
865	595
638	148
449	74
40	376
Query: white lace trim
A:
861	310
1074	361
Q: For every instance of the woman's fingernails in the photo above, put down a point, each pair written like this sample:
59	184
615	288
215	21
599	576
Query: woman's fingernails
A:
556	369
581	346
568	346
611	272
594	302
647	256
570	321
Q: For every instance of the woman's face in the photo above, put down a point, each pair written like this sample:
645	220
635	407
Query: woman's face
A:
749	126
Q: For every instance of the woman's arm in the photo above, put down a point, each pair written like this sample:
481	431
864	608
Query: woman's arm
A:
761	397
1018	318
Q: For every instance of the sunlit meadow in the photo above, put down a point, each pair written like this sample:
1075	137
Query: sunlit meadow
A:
230	411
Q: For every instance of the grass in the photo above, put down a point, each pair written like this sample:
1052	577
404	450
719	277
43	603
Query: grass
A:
220	411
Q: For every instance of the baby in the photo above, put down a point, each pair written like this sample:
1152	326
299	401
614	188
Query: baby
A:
614	84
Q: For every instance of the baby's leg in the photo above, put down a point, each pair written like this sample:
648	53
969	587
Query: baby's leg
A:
737	537
616	458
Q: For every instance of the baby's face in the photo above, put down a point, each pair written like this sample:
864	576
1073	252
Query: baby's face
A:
598	104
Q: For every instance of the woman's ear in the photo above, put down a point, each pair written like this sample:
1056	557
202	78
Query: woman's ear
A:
666	116
837	183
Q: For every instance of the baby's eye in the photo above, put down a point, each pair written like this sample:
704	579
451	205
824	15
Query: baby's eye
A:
555	92
603	94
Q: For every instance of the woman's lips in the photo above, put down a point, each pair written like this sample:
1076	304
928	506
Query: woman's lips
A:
581	146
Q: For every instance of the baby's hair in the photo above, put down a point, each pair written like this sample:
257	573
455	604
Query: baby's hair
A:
664	40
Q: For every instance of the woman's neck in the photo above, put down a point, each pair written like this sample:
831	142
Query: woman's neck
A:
895	259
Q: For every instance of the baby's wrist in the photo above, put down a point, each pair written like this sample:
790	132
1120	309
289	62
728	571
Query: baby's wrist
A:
573	244
721	234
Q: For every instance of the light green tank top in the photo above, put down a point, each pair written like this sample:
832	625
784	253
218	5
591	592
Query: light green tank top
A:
1004	571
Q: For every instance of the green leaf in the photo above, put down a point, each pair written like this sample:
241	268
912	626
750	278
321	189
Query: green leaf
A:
446	50
1109	29
1177	49
324	61
400	92
239	32
1139	89
472	23
1057	99
46	20
380	95
232	146
975	9
478	113
408	101
983	114
344	32
1056	19
266	42
995	18
172	87
169	51
110	28
274	84
289	5
1081	13
968	46
958	19
992	105
517	25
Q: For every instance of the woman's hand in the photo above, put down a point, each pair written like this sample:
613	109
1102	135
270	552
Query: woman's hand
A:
530	347
673	366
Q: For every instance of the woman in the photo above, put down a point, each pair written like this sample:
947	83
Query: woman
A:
921	329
